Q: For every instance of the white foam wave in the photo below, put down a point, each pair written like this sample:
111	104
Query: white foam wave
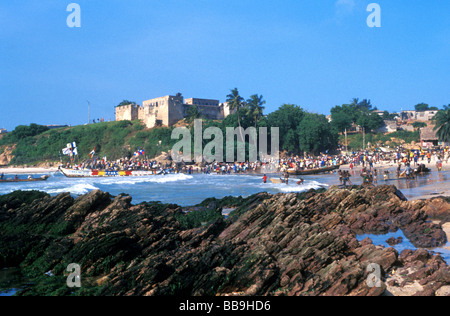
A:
77	189
294	188
301	188
149	179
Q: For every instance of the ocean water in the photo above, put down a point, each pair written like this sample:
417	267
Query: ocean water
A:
187	190
380	240
181	189
11	280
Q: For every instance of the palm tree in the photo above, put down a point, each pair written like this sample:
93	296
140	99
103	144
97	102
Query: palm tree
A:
235	102
354	102
255	107
442	119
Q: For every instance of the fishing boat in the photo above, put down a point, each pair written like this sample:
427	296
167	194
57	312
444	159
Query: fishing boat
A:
43	178
88	173
305	172
276	181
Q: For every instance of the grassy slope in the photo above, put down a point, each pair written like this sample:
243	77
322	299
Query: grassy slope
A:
393	139
112	139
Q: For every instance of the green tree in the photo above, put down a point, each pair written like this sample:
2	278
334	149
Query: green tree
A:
365	105
388	116
442	119
340	121
255	107
22	131
193	113
125	102
418	125
350	110
287	118
235	102
315	134
370	121
422	107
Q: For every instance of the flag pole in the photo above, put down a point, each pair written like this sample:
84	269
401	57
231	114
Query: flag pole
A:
89	112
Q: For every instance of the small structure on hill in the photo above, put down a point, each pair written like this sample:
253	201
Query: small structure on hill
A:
168	110
428	137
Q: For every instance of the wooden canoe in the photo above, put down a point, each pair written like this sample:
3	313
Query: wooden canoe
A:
312	171
276	181
43	178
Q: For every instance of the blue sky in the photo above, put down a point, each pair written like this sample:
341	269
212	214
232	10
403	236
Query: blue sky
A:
316	54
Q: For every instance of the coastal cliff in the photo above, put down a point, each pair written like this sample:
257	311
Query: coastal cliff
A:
283	244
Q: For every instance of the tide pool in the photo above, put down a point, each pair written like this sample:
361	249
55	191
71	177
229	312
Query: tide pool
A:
380	240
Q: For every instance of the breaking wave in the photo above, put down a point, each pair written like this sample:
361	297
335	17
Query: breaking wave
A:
77	189
294	188
149	179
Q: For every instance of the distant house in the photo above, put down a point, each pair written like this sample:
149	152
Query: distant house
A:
423	116
408	115
426	116
379	112
428	137
388	127
3	131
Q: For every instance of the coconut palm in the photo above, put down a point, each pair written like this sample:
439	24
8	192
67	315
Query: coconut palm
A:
255	107
235	103
442	119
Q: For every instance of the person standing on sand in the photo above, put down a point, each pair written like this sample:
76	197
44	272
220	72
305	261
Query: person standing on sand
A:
399	169
439	163
265	179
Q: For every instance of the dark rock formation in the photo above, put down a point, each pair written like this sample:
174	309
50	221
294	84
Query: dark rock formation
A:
284	244
394	241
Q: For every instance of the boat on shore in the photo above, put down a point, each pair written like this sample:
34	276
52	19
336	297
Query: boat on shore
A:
43	178
276	181
298	172
88	173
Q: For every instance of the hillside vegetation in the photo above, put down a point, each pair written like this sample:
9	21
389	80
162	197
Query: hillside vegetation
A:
36	144
391	140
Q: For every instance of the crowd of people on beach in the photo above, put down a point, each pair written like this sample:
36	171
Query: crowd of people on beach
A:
119	165
412	161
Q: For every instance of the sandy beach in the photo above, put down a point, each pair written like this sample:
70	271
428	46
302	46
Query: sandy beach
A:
429	191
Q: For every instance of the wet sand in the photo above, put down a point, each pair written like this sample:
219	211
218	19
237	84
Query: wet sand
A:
428	191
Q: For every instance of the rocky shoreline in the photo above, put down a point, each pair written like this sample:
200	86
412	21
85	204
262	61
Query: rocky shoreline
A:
270	245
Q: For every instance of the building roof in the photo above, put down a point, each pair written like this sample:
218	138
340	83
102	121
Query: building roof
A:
428	133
